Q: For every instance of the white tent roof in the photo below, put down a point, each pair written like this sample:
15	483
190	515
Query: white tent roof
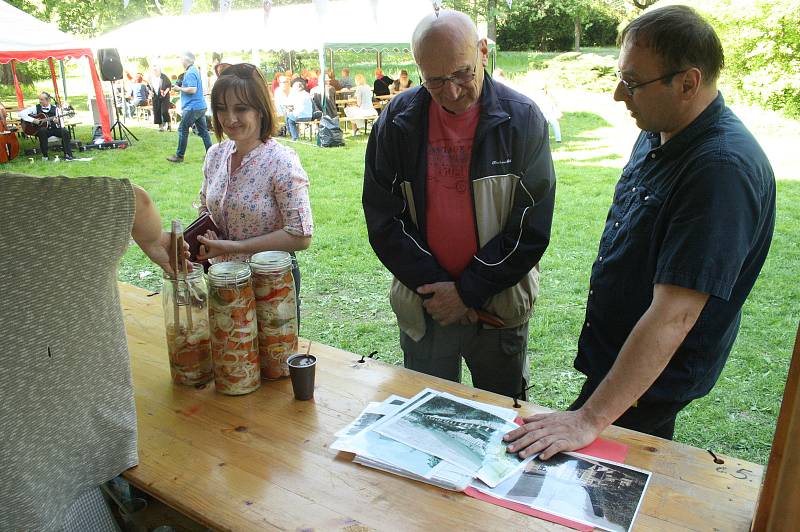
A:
22	32
356	24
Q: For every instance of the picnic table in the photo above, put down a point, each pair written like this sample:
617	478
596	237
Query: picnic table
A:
262	462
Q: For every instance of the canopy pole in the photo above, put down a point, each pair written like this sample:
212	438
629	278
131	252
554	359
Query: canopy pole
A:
55	81
102	108
17	88
331	67
63	79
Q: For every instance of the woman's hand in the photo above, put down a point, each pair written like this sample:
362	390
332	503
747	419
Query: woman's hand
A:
213	246
159	251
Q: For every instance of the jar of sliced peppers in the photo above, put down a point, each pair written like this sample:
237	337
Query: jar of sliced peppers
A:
234	335
185	302
276	304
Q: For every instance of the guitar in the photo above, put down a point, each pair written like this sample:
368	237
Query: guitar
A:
9	144
31	129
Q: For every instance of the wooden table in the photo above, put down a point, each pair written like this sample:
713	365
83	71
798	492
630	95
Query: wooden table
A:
261	461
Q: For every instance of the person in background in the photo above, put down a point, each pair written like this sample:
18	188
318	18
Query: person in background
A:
137	95
402	83
302	109
334	82
302	78
346	82
459	190
276	81
193	108
281	96
382	84
313	79
160	87
363	107
65	377
686	236
254	188
327	93
49	127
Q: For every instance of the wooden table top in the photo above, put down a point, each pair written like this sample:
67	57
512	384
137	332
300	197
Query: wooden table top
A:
261	461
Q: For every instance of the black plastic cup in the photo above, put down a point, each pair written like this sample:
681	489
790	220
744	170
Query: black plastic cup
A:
301	369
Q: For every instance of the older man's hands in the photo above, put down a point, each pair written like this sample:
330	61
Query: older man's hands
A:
445	305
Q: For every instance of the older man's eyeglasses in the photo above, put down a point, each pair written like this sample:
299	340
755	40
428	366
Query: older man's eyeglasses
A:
460	78
630	87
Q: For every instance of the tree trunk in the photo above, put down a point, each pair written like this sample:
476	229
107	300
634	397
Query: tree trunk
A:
491	19
578	30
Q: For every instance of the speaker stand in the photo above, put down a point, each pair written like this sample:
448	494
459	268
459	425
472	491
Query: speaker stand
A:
119	130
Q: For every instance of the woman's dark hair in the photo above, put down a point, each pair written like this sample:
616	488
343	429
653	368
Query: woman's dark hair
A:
248	85
681	37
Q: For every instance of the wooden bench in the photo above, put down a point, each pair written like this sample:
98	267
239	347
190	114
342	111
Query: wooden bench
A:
368	122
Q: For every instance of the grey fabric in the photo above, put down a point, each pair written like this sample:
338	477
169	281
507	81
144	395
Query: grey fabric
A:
67	415
89	512
497	358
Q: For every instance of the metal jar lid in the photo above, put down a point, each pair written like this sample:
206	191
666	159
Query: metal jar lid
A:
228	274
271	262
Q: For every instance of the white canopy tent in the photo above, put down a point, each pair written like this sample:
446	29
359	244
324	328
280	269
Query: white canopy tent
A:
358	25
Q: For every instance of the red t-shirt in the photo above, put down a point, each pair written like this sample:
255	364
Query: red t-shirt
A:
450	212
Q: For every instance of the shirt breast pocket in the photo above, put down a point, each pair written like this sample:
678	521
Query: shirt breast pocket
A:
642	212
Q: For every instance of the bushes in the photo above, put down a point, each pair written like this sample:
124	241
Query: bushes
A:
547	25
762	51
761	40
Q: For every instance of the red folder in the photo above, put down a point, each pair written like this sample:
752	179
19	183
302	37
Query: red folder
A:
600	448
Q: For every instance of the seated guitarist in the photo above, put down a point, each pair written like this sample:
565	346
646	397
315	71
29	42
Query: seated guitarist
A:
49	126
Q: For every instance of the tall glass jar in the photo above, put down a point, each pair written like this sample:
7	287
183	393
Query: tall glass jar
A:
234	334
276	303
185	303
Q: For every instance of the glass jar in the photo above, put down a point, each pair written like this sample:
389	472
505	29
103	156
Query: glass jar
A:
234	334
185	303
276	305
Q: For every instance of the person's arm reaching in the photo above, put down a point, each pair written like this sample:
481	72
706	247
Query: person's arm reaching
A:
644	355
279	240
147	231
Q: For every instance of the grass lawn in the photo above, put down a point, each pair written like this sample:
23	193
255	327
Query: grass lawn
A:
345	287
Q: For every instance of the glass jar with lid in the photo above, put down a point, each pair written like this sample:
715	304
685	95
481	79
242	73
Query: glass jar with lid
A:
234	334
276	305
185	302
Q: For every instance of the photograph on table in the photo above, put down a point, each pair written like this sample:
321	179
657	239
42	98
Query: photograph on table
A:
371	414
603	494
456	431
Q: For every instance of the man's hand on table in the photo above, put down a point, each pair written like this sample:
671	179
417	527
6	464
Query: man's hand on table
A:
552	433
444	305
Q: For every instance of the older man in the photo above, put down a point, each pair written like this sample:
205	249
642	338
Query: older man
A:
685	238
193	108
458	196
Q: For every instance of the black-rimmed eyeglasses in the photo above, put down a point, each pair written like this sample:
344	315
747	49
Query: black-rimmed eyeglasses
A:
460	78
630	87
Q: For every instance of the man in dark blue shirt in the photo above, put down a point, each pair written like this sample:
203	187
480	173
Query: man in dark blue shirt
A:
685	238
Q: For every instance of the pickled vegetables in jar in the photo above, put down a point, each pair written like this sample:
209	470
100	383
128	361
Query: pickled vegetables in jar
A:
276	304
234	334
185	304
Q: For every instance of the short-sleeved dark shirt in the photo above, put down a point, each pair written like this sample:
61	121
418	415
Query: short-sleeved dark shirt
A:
697	212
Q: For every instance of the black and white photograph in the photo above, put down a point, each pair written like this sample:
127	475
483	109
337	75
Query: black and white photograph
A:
457	432
603	494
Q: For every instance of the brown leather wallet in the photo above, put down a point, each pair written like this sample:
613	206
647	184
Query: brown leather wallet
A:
195	229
